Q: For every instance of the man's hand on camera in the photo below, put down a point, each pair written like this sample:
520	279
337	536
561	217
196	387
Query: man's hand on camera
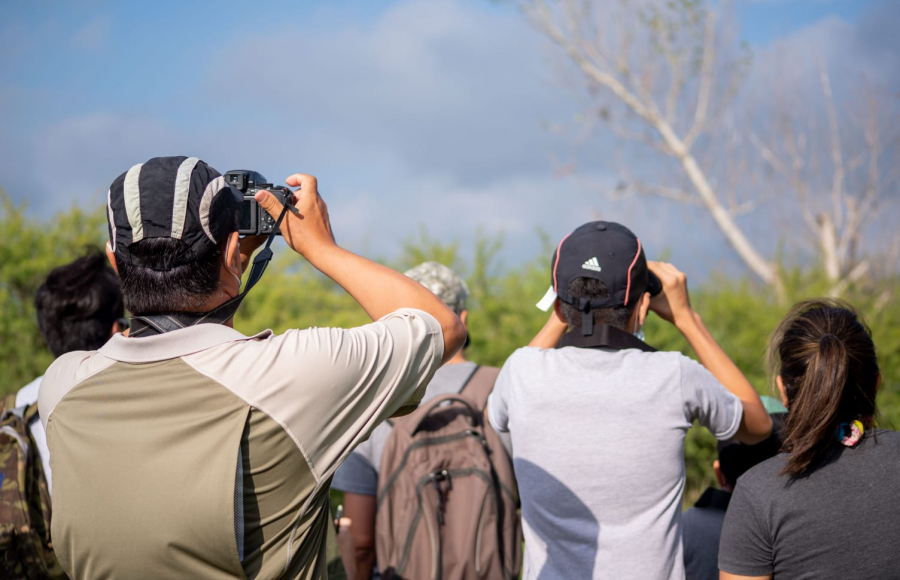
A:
673	303
307	228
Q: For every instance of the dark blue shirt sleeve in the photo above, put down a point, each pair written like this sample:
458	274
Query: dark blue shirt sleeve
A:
356	475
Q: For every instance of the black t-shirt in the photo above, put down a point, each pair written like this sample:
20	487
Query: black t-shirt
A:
842	521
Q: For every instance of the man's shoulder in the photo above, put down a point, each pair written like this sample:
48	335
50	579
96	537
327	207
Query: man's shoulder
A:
65	373
74	366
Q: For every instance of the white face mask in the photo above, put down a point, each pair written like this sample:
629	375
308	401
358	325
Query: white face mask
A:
638	331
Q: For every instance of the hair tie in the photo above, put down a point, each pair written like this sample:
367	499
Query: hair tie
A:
849	434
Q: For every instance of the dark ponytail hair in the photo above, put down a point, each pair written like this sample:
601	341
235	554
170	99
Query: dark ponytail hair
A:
826	359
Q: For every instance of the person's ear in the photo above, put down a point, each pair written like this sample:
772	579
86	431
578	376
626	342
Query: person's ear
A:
720	477
780	382
232	257
643	307
111	256
463	317
557	308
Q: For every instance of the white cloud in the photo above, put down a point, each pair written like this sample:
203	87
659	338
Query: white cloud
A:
429	114
436	86
77	159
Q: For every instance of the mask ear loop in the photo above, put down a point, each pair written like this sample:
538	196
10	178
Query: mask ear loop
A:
260	263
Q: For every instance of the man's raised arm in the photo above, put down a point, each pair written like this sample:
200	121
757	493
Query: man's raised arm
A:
673	305
378	289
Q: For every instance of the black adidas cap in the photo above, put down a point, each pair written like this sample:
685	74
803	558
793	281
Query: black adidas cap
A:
171	197
605	251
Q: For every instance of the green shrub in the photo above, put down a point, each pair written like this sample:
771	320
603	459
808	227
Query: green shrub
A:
739	313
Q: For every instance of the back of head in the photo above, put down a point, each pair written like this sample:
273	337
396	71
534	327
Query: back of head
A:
595	290
443	283
826	359
158	286
169	220
736	458
78	304
599	273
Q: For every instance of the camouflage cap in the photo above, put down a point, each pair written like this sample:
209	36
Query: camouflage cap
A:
443	282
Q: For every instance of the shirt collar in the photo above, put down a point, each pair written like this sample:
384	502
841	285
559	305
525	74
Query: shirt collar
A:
173	344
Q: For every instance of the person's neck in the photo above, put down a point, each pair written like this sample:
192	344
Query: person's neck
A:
458	358
213	301
216	299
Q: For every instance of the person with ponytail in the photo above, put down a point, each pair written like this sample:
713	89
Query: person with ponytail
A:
827	506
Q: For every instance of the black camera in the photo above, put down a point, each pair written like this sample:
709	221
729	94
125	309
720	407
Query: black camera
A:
254	220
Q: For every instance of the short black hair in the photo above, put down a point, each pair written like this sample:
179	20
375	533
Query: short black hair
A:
737	458
78	304
157	286
594	289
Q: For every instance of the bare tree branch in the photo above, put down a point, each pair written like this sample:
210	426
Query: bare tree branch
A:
767	155
666	192
742	208
640	101
855	275
837	157
546	22
706	77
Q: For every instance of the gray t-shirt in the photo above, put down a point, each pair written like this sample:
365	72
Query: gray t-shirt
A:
842	521
359	472
598	448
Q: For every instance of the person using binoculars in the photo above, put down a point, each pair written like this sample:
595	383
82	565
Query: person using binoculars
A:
598	417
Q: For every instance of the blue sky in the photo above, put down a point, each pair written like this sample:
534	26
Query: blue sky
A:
411	113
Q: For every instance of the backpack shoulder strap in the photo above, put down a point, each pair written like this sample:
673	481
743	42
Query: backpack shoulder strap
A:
8	402
30	411
480	384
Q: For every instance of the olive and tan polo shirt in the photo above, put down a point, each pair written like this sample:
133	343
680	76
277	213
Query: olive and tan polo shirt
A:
203	453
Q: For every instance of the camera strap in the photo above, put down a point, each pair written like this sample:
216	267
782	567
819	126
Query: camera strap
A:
153	324
605	336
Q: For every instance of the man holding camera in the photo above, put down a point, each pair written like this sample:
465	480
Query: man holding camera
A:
188	450
598	417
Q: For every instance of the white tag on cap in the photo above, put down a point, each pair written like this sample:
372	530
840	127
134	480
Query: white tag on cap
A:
546	302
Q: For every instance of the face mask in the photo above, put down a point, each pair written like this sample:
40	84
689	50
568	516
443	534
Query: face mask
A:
638	331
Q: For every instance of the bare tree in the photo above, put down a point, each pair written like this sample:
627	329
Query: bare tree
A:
838	158
663	63
665	75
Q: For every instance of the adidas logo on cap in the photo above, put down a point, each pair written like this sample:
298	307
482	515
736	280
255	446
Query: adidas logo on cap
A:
591	264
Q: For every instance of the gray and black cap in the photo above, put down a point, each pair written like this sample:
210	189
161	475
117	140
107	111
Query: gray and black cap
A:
171	197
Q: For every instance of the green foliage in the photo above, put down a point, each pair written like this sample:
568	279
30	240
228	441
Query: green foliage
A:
740	314
28	250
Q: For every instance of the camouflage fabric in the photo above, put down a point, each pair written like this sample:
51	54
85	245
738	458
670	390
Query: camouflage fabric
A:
443	283
25	547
